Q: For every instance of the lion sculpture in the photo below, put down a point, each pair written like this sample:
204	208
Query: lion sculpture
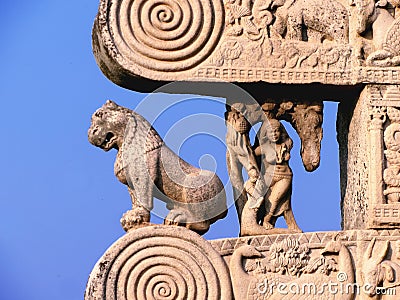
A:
196	198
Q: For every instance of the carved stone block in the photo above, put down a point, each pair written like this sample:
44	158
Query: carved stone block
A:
368	137
160	262
276	41
165	262
291	55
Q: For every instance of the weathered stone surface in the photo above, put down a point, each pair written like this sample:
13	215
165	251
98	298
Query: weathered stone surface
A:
160	262
269	187
168	262
196	198
353	264
352	134
292	41
290	55
368	138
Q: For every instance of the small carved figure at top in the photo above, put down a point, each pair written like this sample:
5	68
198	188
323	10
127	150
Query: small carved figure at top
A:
382	18
238	17
196	198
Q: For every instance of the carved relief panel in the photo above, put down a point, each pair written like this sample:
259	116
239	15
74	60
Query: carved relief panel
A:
277	41
384	156
354	264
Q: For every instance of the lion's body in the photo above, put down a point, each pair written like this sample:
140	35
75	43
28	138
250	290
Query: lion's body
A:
149	168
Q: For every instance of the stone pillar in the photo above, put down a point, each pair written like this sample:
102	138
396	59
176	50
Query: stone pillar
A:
376	147
369	142
352	128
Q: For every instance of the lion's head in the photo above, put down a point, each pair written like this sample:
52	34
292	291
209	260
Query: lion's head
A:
108	126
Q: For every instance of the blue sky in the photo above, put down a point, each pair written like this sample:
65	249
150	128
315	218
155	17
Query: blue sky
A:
60	201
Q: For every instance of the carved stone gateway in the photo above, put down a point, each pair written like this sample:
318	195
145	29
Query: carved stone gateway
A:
289	56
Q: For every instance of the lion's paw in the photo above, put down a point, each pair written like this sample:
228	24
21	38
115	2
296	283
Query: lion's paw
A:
135	218
178	216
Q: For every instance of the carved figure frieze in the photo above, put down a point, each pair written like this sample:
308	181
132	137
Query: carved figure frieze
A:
290	34
195	198
335	42
287	267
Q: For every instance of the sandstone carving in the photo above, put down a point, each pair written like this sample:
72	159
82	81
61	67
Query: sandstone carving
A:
290	55
326	20
306	119
240	153
276	41
196	198
289	263
274	198
385	30
160	262
391	174
378	272
275	174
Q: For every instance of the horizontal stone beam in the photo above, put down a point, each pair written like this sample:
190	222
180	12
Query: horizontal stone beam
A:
143	44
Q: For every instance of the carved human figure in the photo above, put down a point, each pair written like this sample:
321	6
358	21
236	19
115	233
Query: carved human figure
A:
240	154
196	198
306	118
275	146
274	150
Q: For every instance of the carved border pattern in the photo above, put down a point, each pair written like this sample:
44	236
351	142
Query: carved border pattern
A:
315	239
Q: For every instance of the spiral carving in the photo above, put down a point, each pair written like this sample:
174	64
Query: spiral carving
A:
167	35
160	263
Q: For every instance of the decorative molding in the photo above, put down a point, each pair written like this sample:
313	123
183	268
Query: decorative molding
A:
245	41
